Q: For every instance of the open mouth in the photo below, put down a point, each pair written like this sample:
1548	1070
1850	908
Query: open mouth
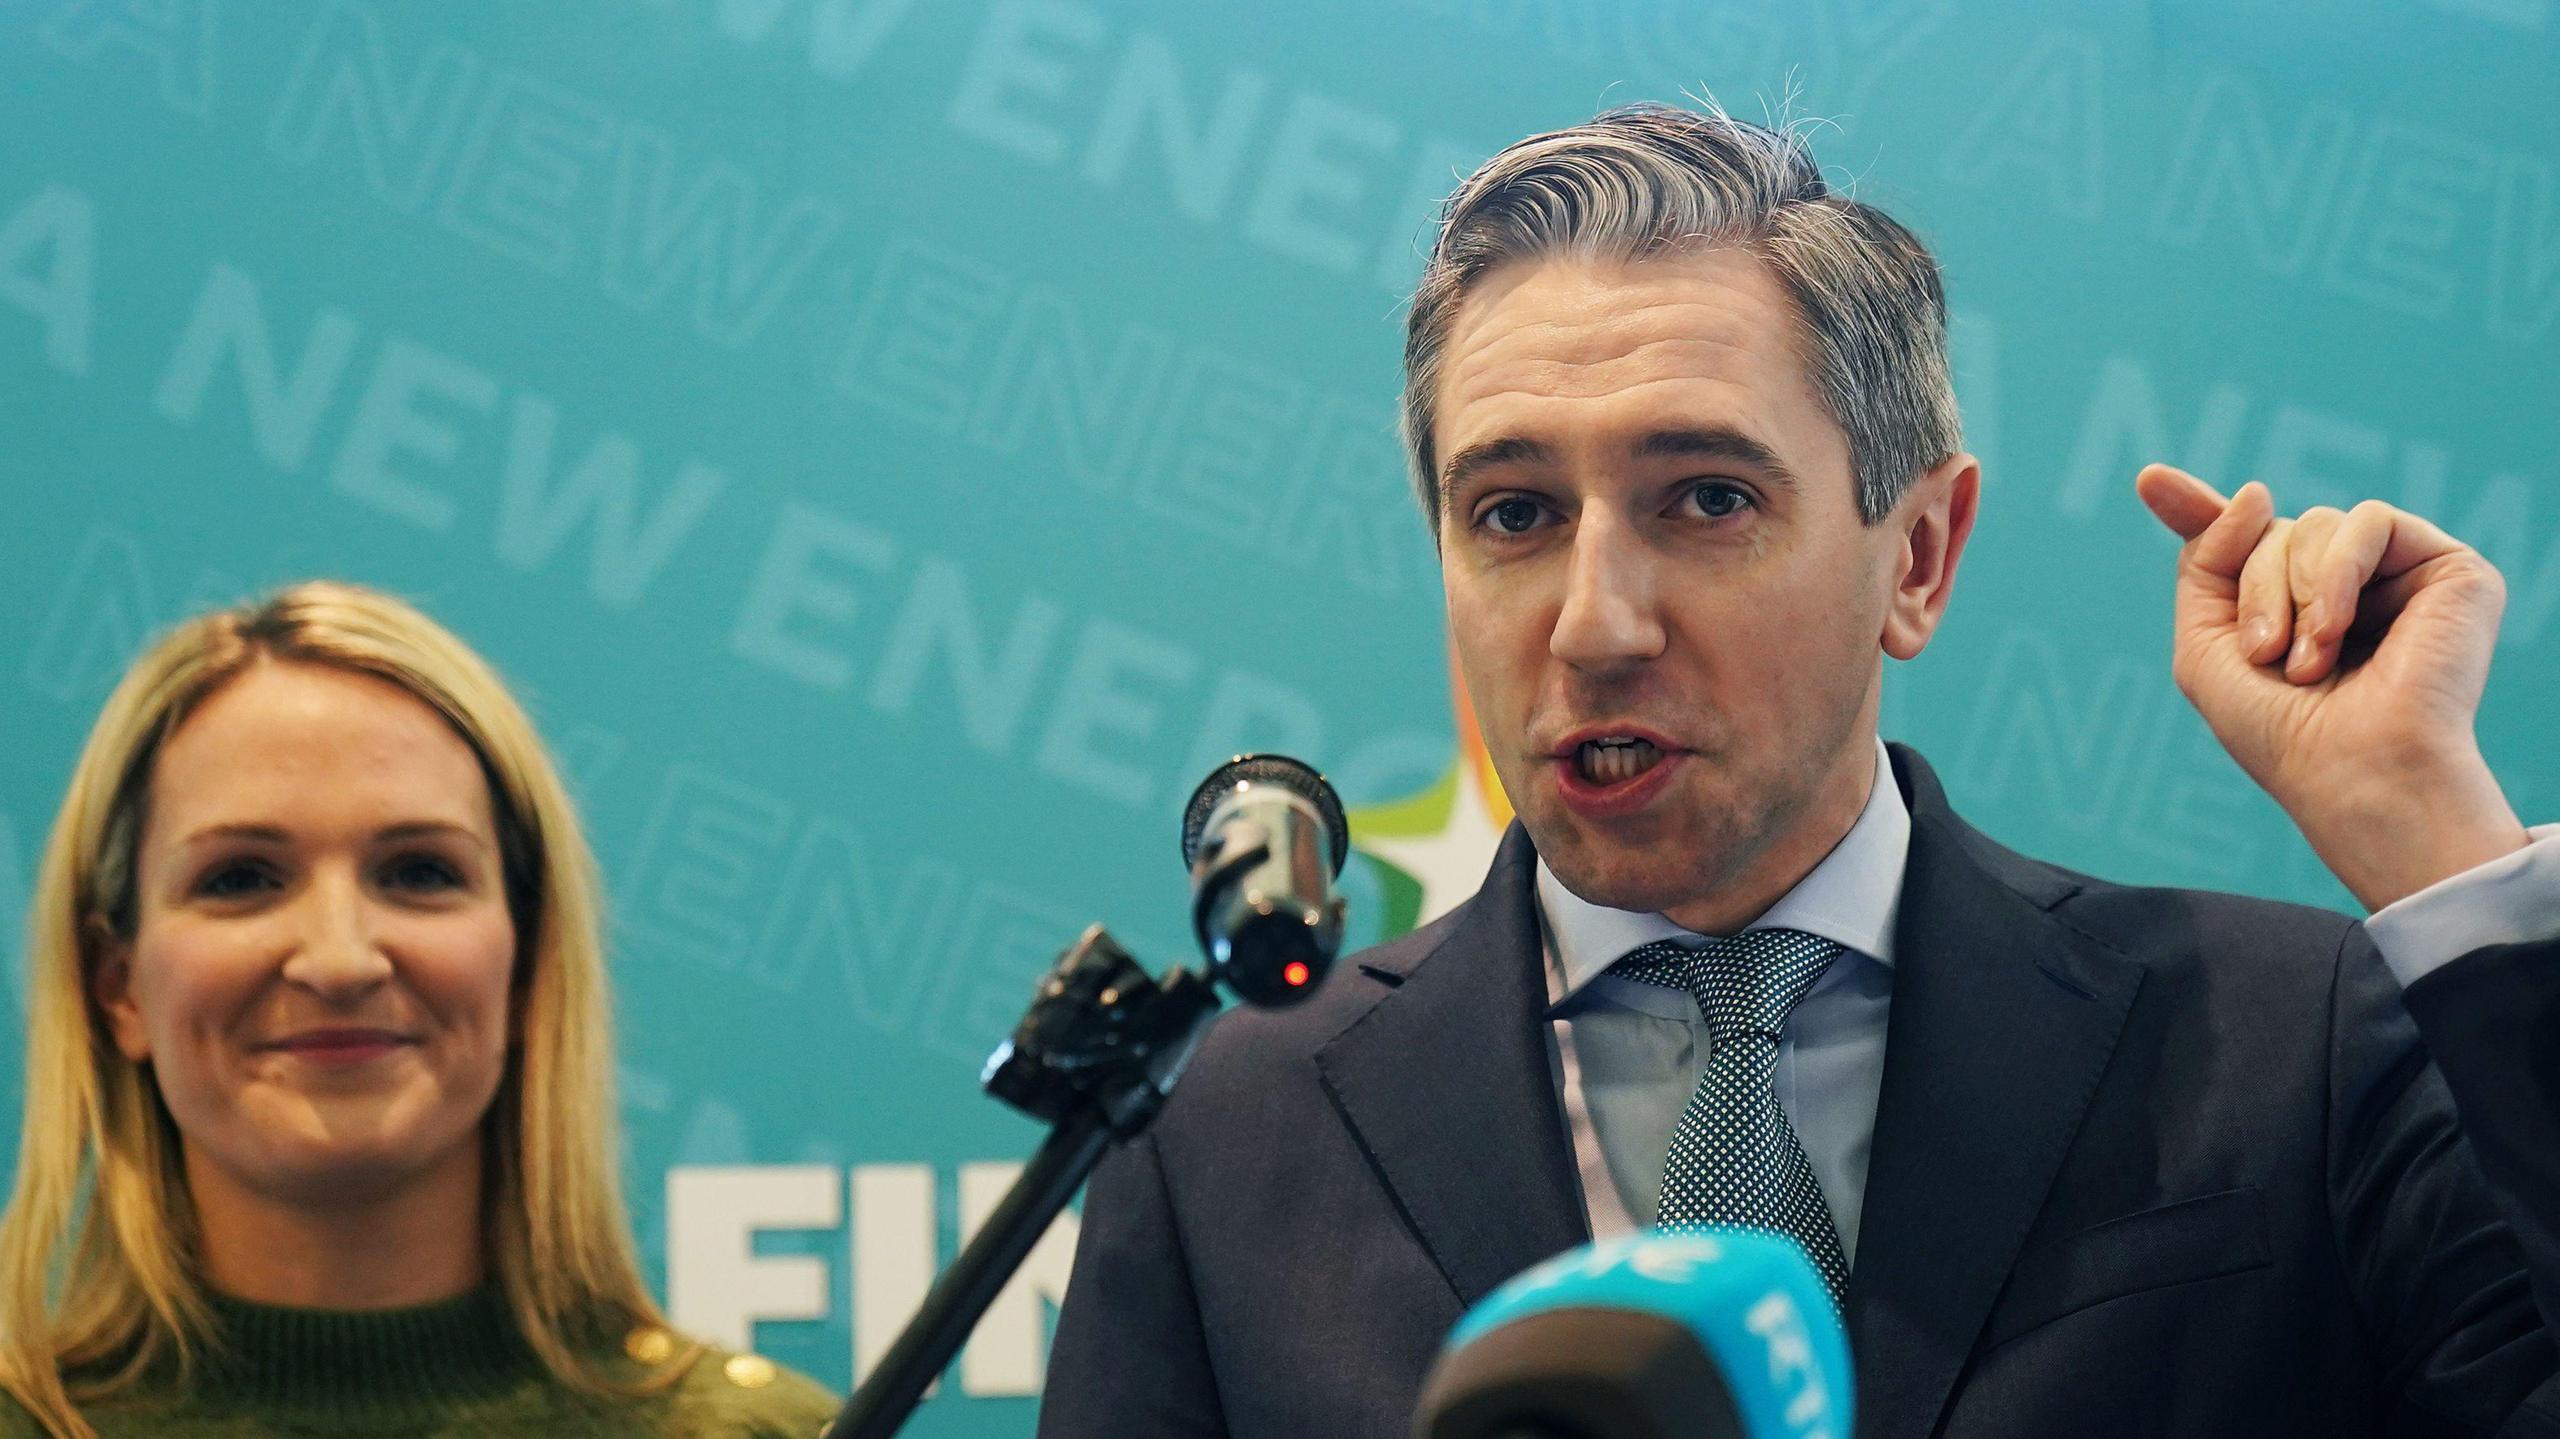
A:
1614	760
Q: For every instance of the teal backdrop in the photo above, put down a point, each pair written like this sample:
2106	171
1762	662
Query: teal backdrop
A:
896	445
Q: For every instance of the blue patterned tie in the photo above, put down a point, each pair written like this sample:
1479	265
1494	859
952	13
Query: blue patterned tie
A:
1735	1160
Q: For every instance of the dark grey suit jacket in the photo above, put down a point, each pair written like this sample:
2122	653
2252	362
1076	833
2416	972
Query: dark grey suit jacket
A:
2147	1162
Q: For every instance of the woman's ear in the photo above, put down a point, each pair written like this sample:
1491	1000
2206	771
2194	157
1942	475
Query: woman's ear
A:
111	990
1934	518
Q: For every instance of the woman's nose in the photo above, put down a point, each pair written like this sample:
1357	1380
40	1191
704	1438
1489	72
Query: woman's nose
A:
335	950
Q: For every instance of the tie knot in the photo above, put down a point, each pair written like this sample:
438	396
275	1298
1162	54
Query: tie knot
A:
1745	984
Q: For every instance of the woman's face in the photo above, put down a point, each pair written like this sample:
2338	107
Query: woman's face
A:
321	967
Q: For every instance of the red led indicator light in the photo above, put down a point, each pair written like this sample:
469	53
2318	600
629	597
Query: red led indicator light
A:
1295	972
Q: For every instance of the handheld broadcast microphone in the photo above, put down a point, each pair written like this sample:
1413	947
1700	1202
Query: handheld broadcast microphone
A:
1722	1335
1264	837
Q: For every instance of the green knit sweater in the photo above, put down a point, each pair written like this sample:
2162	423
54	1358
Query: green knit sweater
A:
456	1368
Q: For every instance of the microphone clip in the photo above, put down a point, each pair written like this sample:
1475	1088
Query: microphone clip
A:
1101	1035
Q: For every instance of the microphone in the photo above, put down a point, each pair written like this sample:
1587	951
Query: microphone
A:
1264	836
1726	1334
1103	1042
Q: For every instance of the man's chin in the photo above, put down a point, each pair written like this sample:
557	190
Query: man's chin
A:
1647	878
1640	895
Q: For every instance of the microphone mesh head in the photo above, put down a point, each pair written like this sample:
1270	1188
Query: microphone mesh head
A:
1279	770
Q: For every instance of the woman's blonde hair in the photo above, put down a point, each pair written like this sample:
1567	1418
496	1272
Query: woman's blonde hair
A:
98	1276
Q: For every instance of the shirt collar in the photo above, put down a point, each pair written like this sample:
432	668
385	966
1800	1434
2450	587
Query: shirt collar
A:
1850	898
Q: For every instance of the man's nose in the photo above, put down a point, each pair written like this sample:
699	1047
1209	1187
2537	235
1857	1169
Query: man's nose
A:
1611	615
337	954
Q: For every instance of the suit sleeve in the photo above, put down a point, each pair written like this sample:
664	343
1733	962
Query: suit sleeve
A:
1130	1360
2444	1143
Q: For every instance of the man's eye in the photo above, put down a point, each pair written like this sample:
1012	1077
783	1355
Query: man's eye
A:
1716	500
236	880
1512	516
422	872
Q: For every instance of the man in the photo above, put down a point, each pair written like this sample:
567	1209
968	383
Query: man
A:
2080	1159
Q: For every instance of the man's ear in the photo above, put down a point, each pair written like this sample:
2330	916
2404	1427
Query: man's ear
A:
111	989
1931	524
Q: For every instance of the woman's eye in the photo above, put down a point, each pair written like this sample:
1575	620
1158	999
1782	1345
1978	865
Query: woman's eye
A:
424	872
235	880
1512	516
1716	501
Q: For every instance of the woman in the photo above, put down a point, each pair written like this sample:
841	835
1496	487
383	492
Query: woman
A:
318	1126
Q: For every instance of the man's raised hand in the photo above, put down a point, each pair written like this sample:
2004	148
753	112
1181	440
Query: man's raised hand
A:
2340	656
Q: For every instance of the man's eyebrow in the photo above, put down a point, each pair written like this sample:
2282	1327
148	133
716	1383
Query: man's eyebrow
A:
1715	443
1508	450
1706	442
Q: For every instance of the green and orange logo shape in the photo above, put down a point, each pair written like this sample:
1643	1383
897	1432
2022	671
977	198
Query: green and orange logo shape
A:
1429	850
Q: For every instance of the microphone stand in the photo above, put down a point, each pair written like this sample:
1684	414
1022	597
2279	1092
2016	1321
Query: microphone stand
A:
1096	1055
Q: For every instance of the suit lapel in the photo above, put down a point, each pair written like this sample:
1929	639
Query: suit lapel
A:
1447	1086
2003	1019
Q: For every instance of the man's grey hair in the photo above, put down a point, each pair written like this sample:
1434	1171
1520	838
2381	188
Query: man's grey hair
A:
1648	180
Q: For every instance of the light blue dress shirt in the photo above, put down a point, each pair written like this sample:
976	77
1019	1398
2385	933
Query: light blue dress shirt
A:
1627	1055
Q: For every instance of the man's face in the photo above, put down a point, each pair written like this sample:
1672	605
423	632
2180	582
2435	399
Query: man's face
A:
1662	597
